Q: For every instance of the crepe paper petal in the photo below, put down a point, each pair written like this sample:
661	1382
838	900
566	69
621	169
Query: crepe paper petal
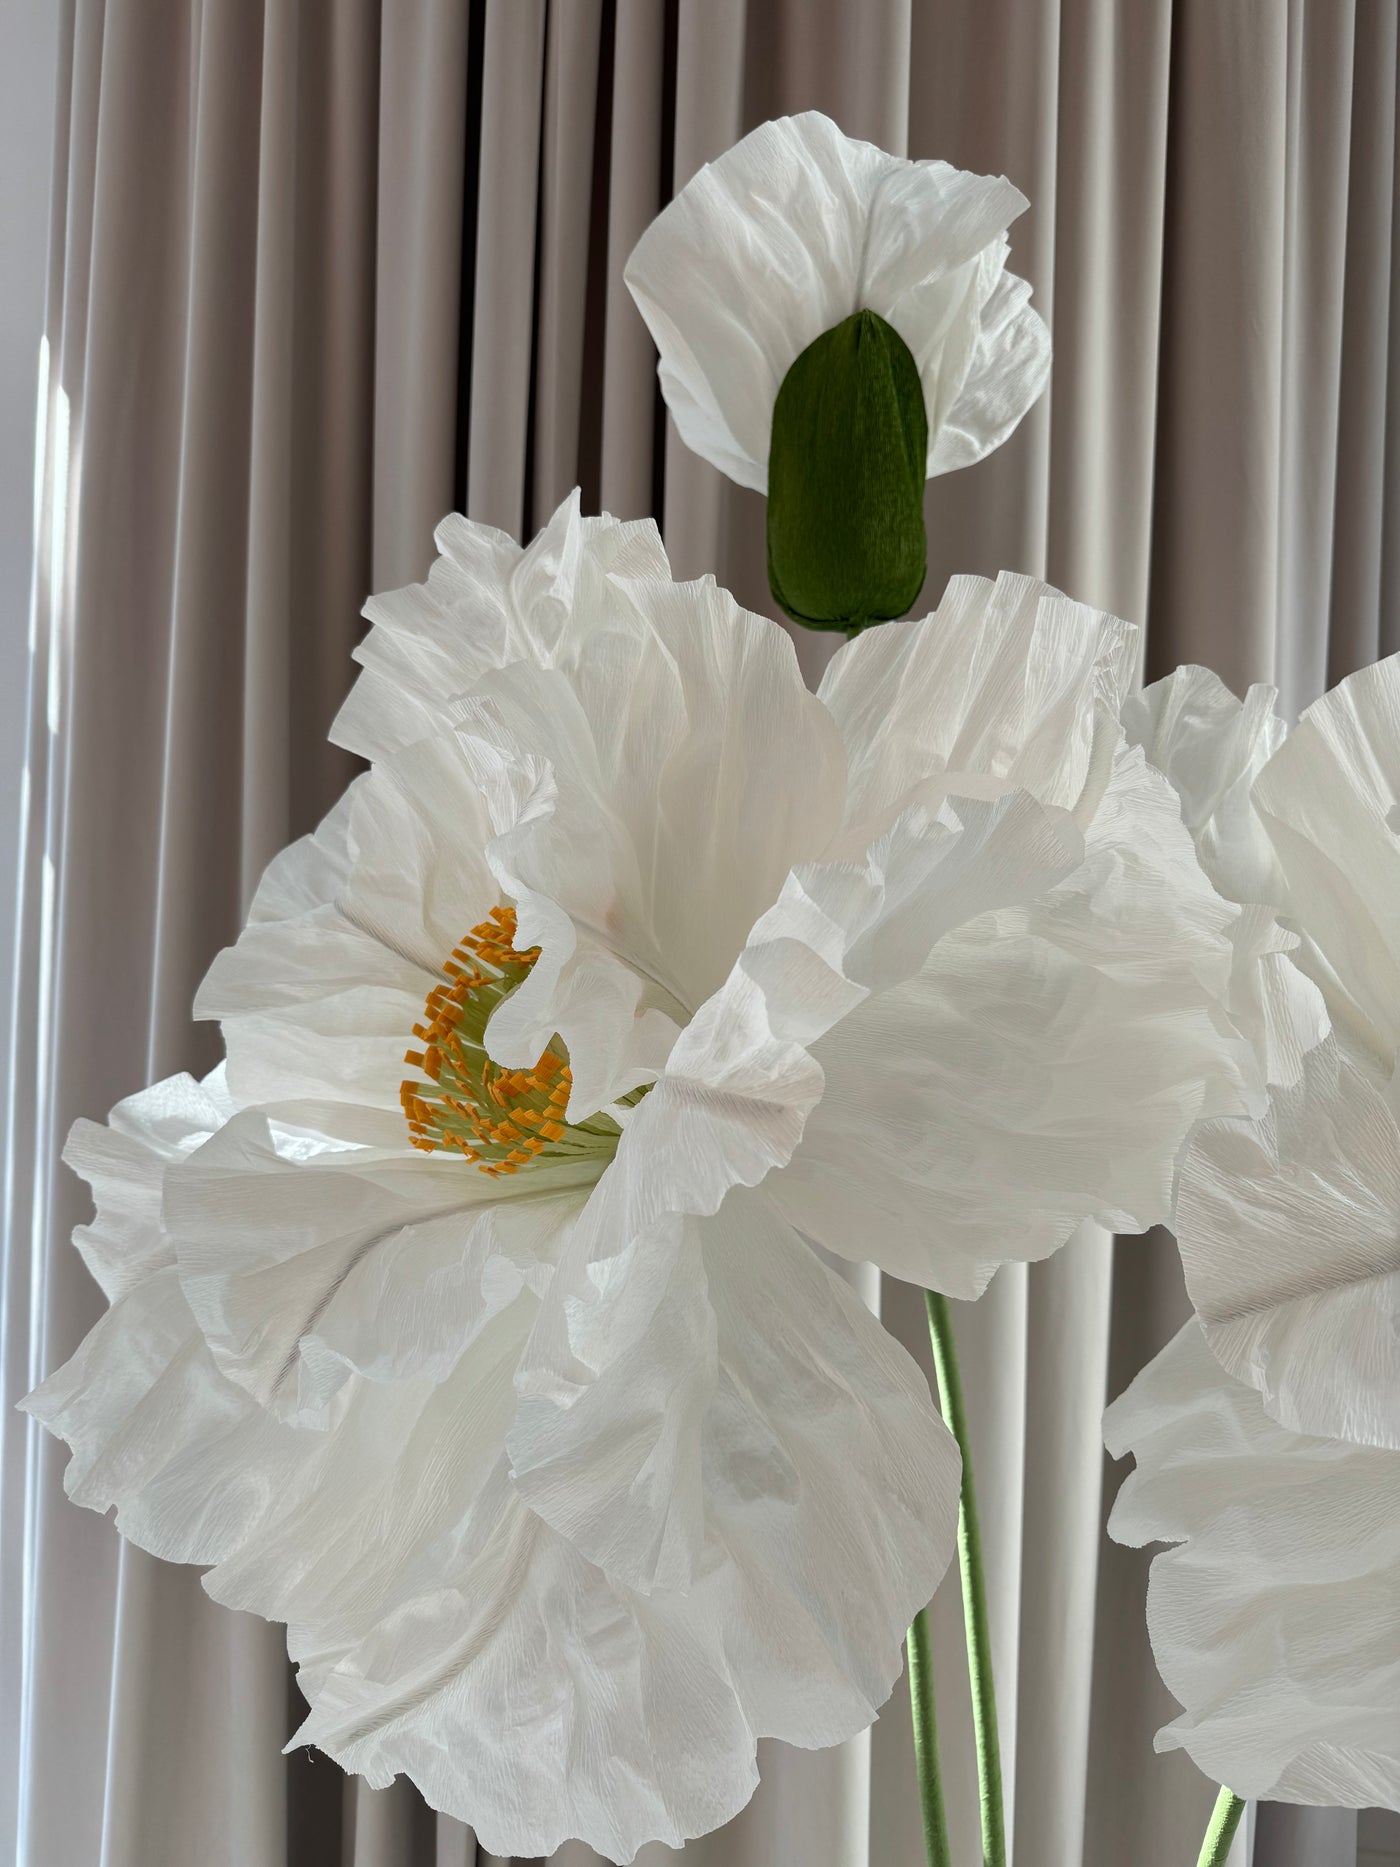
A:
1004	684
1288	1221
1330	800
630	1314
486	603
124	1159
1043	1067
1212	747
1289	1231
1273	1620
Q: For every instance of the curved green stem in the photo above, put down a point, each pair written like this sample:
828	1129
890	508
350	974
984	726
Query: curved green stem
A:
1225	1819
926	1742
979	1640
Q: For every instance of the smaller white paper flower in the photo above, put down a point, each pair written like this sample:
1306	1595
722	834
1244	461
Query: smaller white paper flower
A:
1289	1223
1274	1619
796	228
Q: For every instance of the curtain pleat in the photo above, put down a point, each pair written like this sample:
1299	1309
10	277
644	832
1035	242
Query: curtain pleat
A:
498	434
321	272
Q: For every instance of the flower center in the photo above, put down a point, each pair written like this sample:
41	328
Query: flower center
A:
501	1120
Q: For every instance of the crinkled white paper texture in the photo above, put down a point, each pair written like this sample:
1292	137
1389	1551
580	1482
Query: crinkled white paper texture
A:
1273	1619
790	232
1289	1220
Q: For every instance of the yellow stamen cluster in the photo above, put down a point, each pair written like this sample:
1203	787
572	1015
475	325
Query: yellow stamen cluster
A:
498	1119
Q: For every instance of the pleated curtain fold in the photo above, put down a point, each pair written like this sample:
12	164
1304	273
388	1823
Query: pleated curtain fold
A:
323	270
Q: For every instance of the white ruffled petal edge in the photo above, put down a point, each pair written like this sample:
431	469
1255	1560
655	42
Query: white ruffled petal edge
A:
1289	1231
486	602
1330	800
124	1159
1006	683
1211	747
1288	1223
1274	1619
1043	1067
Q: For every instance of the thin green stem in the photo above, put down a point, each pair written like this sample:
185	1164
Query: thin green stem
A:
1225	1819
979	1639
926	1742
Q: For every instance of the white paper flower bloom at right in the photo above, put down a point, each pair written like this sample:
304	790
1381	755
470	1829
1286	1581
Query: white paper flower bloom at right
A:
1274	1621
1289	1222
794	229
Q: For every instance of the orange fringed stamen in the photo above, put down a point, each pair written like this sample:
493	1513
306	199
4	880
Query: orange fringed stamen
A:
500	1120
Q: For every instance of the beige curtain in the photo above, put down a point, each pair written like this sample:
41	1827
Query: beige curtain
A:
321	271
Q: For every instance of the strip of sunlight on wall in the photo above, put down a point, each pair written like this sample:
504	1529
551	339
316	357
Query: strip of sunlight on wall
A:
32	989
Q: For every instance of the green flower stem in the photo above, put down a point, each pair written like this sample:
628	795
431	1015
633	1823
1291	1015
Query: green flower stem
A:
979	1640
926	1742
1225	1819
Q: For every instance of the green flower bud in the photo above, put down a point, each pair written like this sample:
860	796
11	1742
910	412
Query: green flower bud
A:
846	468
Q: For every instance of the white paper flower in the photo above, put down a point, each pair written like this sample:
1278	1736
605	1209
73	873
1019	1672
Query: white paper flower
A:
822	947
1274	1620
524	1369
794	229
1289	1225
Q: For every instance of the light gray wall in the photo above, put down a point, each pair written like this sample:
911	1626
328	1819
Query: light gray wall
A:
28	67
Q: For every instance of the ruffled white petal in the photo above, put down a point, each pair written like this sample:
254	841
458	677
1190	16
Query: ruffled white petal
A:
1274	1621
353	925
486	603
753	1379
124	1161
534	1700
1211	747
1289	1230
1003	684
1289	1226
304	1259
1042	1068
657	798
1330	798
791	231
827	1519
1007	370
181	1454
348	930
630	1312
1046	1062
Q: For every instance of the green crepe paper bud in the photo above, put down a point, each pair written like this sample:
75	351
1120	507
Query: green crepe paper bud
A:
846	466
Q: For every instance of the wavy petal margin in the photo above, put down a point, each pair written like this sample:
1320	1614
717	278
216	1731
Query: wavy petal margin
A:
1273	1620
